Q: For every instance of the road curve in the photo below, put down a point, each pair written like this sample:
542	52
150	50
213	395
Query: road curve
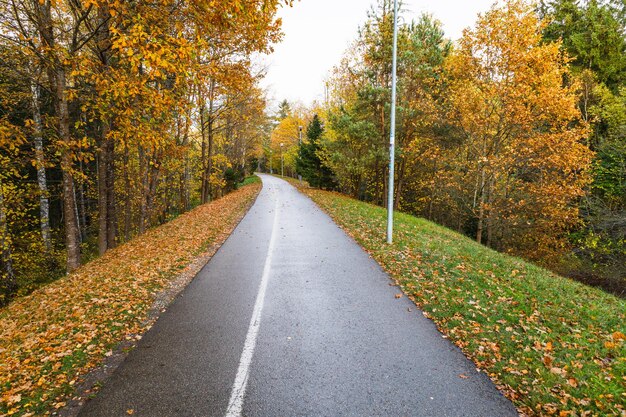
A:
292	318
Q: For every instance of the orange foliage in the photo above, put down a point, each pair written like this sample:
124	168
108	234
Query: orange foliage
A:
52	337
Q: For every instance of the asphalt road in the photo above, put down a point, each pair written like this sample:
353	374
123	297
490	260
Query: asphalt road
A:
292	318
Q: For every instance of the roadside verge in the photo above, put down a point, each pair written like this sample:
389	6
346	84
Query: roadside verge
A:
551	345
50	339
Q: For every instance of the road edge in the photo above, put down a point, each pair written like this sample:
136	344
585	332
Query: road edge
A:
95	378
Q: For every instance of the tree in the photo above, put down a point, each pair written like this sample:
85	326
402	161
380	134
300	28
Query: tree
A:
284	110
10	140
520	166
308	163
592	34
141	110
286	132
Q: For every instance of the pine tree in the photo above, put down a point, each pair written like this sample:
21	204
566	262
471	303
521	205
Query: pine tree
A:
284	110
309	163
592	34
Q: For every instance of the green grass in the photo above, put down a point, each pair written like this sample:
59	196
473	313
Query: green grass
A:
253	179
552	345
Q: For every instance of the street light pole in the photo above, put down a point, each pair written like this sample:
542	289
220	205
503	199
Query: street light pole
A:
282	161
300	149
392	134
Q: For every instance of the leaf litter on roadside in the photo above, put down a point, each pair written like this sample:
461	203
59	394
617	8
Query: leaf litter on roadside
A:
53	336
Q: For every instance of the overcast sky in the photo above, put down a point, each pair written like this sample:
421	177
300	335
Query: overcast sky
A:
317	32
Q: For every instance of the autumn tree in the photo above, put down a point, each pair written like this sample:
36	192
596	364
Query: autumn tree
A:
142	110
359	109
284	141
521	164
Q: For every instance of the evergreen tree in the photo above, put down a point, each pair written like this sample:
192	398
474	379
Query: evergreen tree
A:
592	34
284	110
309	163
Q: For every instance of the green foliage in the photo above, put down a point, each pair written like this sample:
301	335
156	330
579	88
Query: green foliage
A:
359	117
601	245
284	110
309	164
593	34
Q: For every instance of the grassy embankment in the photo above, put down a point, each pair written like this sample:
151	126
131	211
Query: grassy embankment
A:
552	345
54	336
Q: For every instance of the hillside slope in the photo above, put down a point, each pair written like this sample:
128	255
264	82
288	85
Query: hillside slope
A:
51	338
552	345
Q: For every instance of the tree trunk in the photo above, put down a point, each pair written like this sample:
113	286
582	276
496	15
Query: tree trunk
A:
489	215
82	207
8	284
209	165
127	200
107	221
44	202
69	197
110	190
481	208
103	206
143	171
184	181
203	154
58	83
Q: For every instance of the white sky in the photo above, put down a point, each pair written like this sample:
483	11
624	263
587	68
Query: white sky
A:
317	32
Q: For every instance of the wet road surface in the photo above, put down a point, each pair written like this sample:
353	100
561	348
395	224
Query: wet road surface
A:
292	318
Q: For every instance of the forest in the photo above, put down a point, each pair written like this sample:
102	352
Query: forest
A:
117	116
515	135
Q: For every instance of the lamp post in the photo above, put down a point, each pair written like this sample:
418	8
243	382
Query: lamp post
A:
300	149
282	161
392	134
271	169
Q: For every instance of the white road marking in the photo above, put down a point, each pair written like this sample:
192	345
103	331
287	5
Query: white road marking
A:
238	392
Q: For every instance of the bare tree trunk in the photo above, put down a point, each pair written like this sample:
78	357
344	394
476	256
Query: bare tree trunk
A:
103	206
489	215
186	171
44	202
69	197
143	171
128	209
481	208
153	181
57	77
107	221
110	191
81	207
206	176
209	165
203	154
399	183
